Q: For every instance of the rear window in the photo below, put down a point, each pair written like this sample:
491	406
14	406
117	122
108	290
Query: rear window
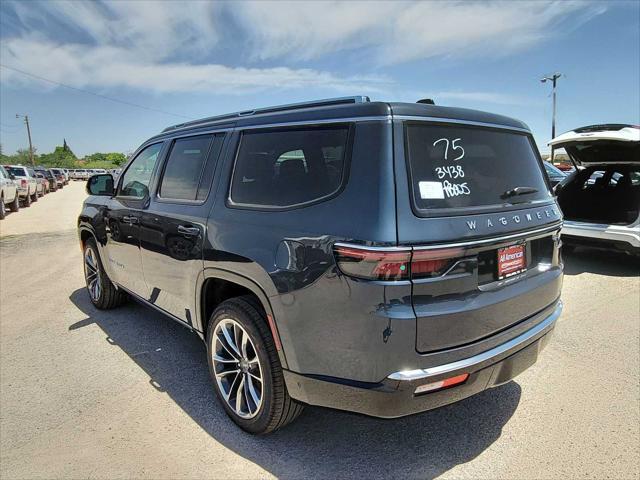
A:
17	171
283	168
460	167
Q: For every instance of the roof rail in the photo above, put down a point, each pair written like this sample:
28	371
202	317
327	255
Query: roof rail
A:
274	109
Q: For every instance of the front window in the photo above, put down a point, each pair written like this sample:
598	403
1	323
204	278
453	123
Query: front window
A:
135	181
465	167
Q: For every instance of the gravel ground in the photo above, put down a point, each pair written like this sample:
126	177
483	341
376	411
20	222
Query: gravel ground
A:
126	393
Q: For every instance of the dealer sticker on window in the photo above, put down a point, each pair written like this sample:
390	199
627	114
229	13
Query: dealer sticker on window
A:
511	261
431	190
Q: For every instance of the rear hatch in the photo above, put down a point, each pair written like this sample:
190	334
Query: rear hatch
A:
606	144
606	189
475	205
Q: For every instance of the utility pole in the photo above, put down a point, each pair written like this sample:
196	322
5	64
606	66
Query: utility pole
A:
26	121
553	79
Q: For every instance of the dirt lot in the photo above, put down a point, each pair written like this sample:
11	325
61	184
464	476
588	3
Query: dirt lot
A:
126	393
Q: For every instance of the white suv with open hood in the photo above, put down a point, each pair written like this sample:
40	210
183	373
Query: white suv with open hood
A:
601	199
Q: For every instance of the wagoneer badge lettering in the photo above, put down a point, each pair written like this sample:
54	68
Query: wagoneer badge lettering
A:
547	212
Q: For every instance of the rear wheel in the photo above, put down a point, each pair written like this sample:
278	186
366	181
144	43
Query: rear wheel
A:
27	200
102	292
3	212
34	197
245	368
15	205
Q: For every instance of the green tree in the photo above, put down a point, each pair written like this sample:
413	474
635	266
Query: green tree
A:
117	158
60	157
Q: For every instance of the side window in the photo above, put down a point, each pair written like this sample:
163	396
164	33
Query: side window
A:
281	168
187	171
595	178
135	181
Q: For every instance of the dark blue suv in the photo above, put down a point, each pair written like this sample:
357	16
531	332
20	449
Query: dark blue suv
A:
382	258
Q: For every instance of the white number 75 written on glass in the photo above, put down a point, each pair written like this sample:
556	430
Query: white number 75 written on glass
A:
453	147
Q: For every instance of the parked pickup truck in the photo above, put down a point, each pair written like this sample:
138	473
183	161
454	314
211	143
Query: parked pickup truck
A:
9	196
28	185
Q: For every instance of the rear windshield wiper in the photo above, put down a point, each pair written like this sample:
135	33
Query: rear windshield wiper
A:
519	191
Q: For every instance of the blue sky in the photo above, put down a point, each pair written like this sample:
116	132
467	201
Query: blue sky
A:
198	59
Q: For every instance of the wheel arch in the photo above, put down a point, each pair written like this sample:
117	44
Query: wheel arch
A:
217	285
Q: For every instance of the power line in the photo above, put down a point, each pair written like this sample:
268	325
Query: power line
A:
92	93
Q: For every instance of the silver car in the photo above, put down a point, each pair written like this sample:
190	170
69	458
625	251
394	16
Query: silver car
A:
9	196
601	199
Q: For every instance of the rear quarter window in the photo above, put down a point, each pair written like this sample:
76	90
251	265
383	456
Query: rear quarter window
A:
285	168
467	167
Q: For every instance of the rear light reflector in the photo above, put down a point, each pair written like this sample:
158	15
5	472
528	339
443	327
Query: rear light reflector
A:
447	382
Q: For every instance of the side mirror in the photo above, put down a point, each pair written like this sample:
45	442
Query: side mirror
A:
101	184
12	176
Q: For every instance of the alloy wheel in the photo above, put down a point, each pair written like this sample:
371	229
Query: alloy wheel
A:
237	368
92	274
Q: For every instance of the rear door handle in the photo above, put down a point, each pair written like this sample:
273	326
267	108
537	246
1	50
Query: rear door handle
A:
130	220
190	231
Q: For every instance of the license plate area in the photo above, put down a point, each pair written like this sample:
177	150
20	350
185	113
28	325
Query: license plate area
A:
511	260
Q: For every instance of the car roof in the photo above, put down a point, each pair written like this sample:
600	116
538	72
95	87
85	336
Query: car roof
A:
341	109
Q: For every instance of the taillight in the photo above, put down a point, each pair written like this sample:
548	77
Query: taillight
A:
23	182
373	264
394	264
432	263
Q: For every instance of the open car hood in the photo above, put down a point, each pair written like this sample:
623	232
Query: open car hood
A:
601	144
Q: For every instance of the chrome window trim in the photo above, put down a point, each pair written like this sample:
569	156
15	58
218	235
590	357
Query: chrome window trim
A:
471	243
372	249
548	228
461	122
471	362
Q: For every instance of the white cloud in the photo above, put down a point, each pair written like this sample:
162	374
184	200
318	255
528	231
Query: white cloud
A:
396	32
85	66
169	46
154	30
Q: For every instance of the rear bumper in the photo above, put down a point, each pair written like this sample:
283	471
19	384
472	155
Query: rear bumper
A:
584	233
394	396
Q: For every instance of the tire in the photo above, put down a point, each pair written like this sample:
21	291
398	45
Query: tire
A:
15	205
3	212
102	292
34	197
27	200
276	408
